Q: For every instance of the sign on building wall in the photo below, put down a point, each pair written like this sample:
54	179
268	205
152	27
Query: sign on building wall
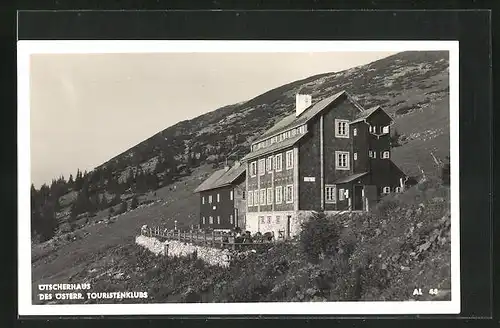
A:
309	179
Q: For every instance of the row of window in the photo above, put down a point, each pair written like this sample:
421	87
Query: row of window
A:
279	138
331	193
211	219
373	154
262	219
387	190
272	163
210	199
342	158
266	196
342	129
383	129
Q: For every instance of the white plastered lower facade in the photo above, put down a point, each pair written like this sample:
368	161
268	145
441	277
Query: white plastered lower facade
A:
288	222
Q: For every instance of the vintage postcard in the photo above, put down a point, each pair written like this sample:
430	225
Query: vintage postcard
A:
238	177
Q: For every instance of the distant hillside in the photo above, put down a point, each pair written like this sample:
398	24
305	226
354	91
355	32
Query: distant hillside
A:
411	86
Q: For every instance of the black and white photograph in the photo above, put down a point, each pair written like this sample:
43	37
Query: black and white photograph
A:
238	177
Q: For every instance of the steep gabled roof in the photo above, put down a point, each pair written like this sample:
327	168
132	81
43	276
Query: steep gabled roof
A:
292	120
221	178
367	113
274	147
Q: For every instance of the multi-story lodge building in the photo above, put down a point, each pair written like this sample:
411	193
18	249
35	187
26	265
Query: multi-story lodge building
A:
222	199
329	156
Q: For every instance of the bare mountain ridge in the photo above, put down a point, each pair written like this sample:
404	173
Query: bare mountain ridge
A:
411	86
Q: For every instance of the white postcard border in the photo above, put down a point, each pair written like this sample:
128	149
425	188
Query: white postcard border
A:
25	307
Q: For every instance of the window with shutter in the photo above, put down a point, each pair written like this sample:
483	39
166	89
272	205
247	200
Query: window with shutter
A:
253	169
279	194
278	162
270	164
262	166
289	159
289	194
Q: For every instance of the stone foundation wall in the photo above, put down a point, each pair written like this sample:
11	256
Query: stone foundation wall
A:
212	256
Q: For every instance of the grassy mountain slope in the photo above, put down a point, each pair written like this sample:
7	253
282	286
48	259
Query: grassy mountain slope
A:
411	86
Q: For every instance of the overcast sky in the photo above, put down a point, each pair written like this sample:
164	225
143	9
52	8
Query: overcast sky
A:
88	108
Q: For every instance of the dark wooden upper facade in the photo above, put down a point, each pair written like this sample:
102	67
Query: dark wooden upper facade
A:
223	199
333	149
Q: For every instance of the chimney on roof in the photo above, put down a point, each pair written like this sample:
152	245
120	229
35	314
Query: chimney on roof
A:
236	163
302	102
226	168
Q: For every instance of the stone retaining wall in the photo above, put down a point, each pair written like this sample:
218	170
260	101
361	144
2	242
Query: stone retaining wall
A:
213	256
